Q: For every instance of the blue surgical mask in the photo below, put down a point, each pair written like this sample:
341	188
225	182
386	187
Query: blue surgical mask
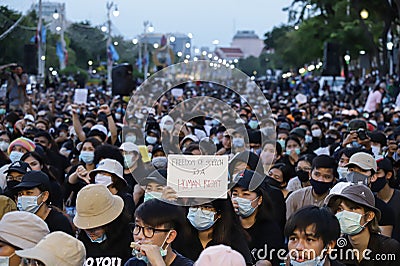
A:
152	195
15	156
308	139
159	162
253	124
201	219
140	256
297	151
151	140
350	222
238	142
130	138
87	157
28	203
315	262
245	208
282	143
98	240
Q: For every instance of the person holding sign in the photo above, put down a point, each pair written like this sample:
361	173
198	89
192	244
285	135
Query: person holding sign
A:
254	208
213	223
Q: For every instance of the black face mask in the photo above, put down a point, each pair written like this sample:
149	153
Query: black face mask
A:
11	184
272	182
303	175
378	184
330	141
319	187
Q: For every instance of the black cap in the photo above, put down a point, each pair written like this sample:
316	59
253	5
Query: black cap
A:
385	164
158	176
19	166
324	161
378	137
157	147
248	179
356	124
34	179
299	132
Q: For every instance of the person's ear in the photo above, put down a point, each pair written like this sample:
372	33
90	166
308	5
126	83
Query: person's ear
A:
369	216
45	196
171	237
330	246
389	175
260	199
374	178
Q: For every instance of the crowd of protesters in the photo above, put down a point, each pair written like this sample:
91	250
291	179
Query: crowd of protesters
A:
86	184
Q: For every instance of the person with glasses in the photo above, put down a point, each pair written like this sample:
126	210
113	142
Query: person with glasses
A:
14	175
157	225
103	226
213	222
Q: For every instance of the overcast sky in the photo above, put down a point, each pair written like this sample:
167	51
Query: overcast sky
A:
207	20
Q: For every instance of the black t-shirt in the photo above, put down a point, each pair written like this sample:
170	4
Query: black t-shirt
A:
137	175
178	261
394	204
265	235
56	221
191	246
387	214
115	250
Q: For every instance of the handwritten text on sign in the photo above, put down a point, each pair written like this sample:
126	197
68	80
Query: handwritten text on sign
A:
198	176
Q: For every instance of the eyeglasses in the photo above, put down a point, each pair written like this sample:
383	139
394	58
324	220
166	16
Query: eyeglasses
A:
31	262
206	210
147	231
306	169
14	178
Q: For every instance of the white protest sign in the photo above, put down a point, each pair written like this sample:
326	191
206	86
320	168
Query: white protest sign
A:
80	96
198	176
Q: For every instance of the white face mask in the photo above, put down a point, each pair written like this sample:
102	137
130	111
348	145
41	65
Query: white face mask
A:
4	145
316	133
103	179
57	124
15	156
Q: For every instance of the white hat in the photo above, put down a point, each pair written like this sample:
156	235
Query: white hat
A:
301	99
129	146
100	128
110	166
57	248
29	117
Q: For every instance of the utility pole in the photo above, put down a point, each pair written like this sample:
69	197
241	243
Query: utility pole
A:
39	45
109	60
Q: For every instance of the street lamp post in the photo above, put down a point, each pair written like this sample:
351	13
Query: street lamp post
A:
148	27
61	28
109	6
41	56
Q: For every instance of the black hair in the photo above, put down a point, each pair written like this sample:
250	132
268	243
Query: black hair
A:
155	213
286	173
326	225
108	151
95	142
294	138
42	133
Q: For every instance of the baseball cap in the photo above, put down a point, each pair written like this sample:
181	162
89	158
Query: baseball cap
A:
100	128
158	176
22	229
19	166
385	164
356	124
248	179
299	132
96	206
363	160
50	252
356	193
34	179
129	146
220	255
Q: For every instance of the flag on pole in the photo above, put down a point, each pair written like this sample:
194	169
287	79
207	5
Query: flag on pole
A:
60	52
112	54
